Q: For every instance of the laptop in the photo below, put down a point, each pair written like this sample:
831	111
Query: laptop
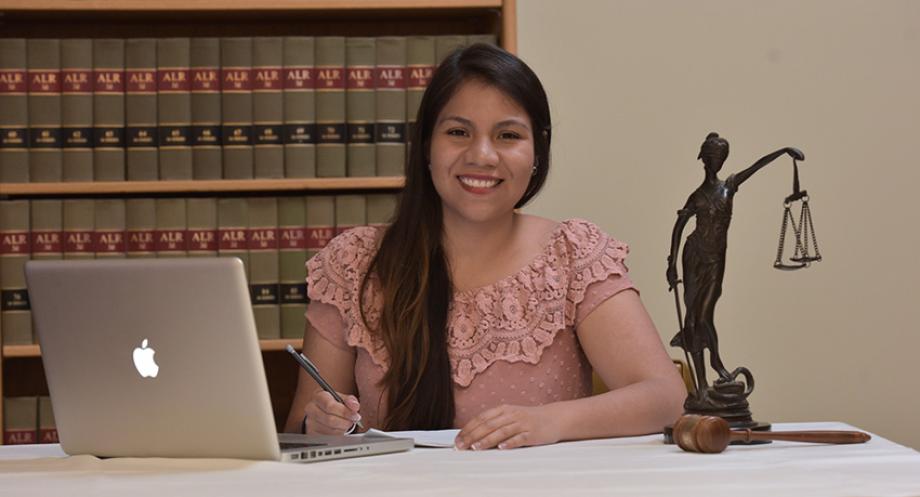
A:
160	358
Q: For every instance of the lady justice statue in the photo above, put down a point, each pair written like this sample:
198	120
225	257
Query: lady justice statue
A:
703	263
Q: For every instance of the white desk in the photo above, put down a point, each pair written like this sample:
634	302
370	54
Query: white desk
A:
634	466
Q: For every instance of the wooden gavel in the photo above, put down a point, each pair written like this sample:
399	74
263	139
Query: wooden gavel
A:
711	434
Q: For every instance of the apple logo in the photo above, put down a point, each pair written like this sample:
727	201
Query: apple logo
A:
143	361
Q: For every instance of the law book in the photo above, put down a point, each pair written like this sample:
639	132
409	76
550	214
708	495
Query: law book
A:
360	109
46	235
141	109
299	82
14	112
390	83
44	61
174	108
487	38
263	265
330	106
109	233
202	227
171	239
15	316
420	56
77	109
446	44
140	227
108	109
206	114
292	257
20	420
267	107
236	106
233	229
350	212
381	207
320	222
78	226
47	428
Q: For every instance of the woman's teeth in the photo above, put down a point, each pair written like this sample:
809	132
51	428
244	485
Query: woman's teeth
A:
479	183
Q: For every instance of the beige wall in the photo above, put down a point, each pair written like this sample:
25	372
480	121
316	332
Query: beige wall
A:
635	86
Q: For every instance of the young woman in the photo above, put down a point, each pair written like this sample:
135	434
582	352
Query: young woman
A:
466	313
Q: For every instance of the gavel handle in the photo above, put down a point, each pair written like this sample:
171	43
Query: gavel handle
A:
826	437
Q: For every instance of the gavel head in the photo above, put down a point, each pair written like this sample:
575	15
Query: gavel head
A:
707	434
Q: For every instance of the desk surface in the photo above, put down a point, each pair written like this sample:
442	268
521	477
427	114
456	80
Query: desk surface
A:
627	466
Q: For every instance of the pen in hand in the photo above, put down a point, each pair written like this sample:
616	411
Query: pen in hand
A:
311	370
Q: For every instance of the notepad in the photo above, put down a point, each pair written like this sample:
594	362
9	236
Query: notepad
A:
422	438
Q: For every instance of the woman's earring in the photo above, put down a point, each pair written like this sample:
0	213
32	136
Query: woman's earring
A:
533	171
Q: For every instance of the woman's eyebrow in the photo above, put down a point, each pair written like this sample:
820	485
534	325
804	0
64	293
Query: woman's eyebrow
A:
463	121
467	122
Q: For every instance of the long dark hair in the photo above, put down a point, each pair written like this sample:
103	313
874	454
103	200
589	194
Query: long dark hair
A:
411	266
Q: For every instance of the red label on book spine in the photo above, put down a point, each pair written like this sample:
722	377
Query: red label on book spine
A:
108	81
319	237
298	78
266	78
173	80
14	242
109	242
361	78
205	240
236	79
170	240
18	437
78	241
46	242
420	76
232	238
292	238
141	240
141	80
330	78
12	81
48	436
44	81
392	77
263	239
76	81
205	79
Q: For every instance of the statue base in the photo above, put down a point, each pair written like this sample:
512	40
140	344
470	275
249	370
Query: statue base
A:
727	400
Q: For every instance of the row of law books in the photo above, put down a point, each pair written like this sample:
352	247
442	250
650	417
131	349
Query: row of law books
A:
28	420
273	236
145	109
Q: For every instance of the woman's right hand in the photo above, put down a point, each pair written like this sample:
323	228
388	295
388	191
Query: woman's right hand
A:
327	416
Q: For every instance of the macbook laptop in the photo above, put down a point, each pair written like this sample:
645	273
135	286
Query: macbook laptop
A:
160	358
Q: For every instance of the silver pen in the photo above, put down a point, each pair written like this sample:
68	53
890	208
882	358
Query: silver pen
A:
311	370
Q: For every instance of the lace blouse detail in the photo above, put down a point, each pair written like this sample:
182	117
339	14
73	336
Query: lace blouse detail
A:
511	320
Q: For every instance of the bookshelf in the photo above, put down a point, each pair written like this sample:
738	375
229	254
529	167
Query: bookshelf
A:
21	370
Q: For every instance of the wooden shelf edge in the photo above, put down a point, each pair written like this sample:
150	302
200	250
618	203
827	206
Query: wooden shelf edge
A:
280	344
200	186
238	5
21	351
35	351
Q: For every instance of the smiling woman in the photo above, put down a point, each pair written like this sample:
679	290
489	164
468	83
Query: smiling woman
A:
466	313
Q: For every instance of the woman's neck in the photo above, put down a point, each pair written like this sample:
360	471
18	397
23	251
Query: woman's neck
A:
471	242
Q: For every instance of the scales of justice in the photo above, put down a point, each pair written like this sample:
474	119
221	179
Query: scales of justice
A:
703	267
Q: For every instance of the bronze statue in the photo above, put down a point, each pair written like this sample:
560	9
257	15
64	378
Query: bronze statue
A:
703	263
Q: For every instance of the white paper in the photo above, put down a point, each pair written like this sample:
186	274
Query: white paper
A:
426	438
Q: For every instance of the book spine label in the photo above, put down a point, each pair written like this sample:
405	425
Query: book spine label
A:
292	258
390	82
171	236
44	79
202	227
233	227
14	113
320	222
47	428
77	109
420	58
20	420
263	265
299	84
267	110
330	106
350	212
15	317
109	233
360	95
46	237
108	110
175	108
79	224
206	113
141	109
140	227
236	97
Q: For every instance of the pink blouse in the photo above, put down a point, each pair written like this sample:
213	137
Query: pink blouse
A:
511	342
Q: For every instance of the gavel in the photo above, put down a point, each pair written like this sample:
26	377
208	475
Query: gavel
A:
711	434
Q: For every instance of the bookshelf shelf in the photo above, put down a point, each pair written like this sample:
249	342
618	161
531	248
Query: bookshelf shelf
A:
21	351
10	351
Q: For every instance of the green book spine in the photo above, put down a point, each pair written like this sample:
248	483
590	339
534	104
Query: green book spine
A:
267	107
263	265
109	235
206	115
233	228
381	207
446	44
390	81
79	224
47	428
77	109
330	106
140	227
47	227
299	80
171	239
20	420
350	212
44	61
14	112
174	108
15	316
360	109
292	258
320	222
141	109
236	101
488	39
202	227
109	110
420	56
